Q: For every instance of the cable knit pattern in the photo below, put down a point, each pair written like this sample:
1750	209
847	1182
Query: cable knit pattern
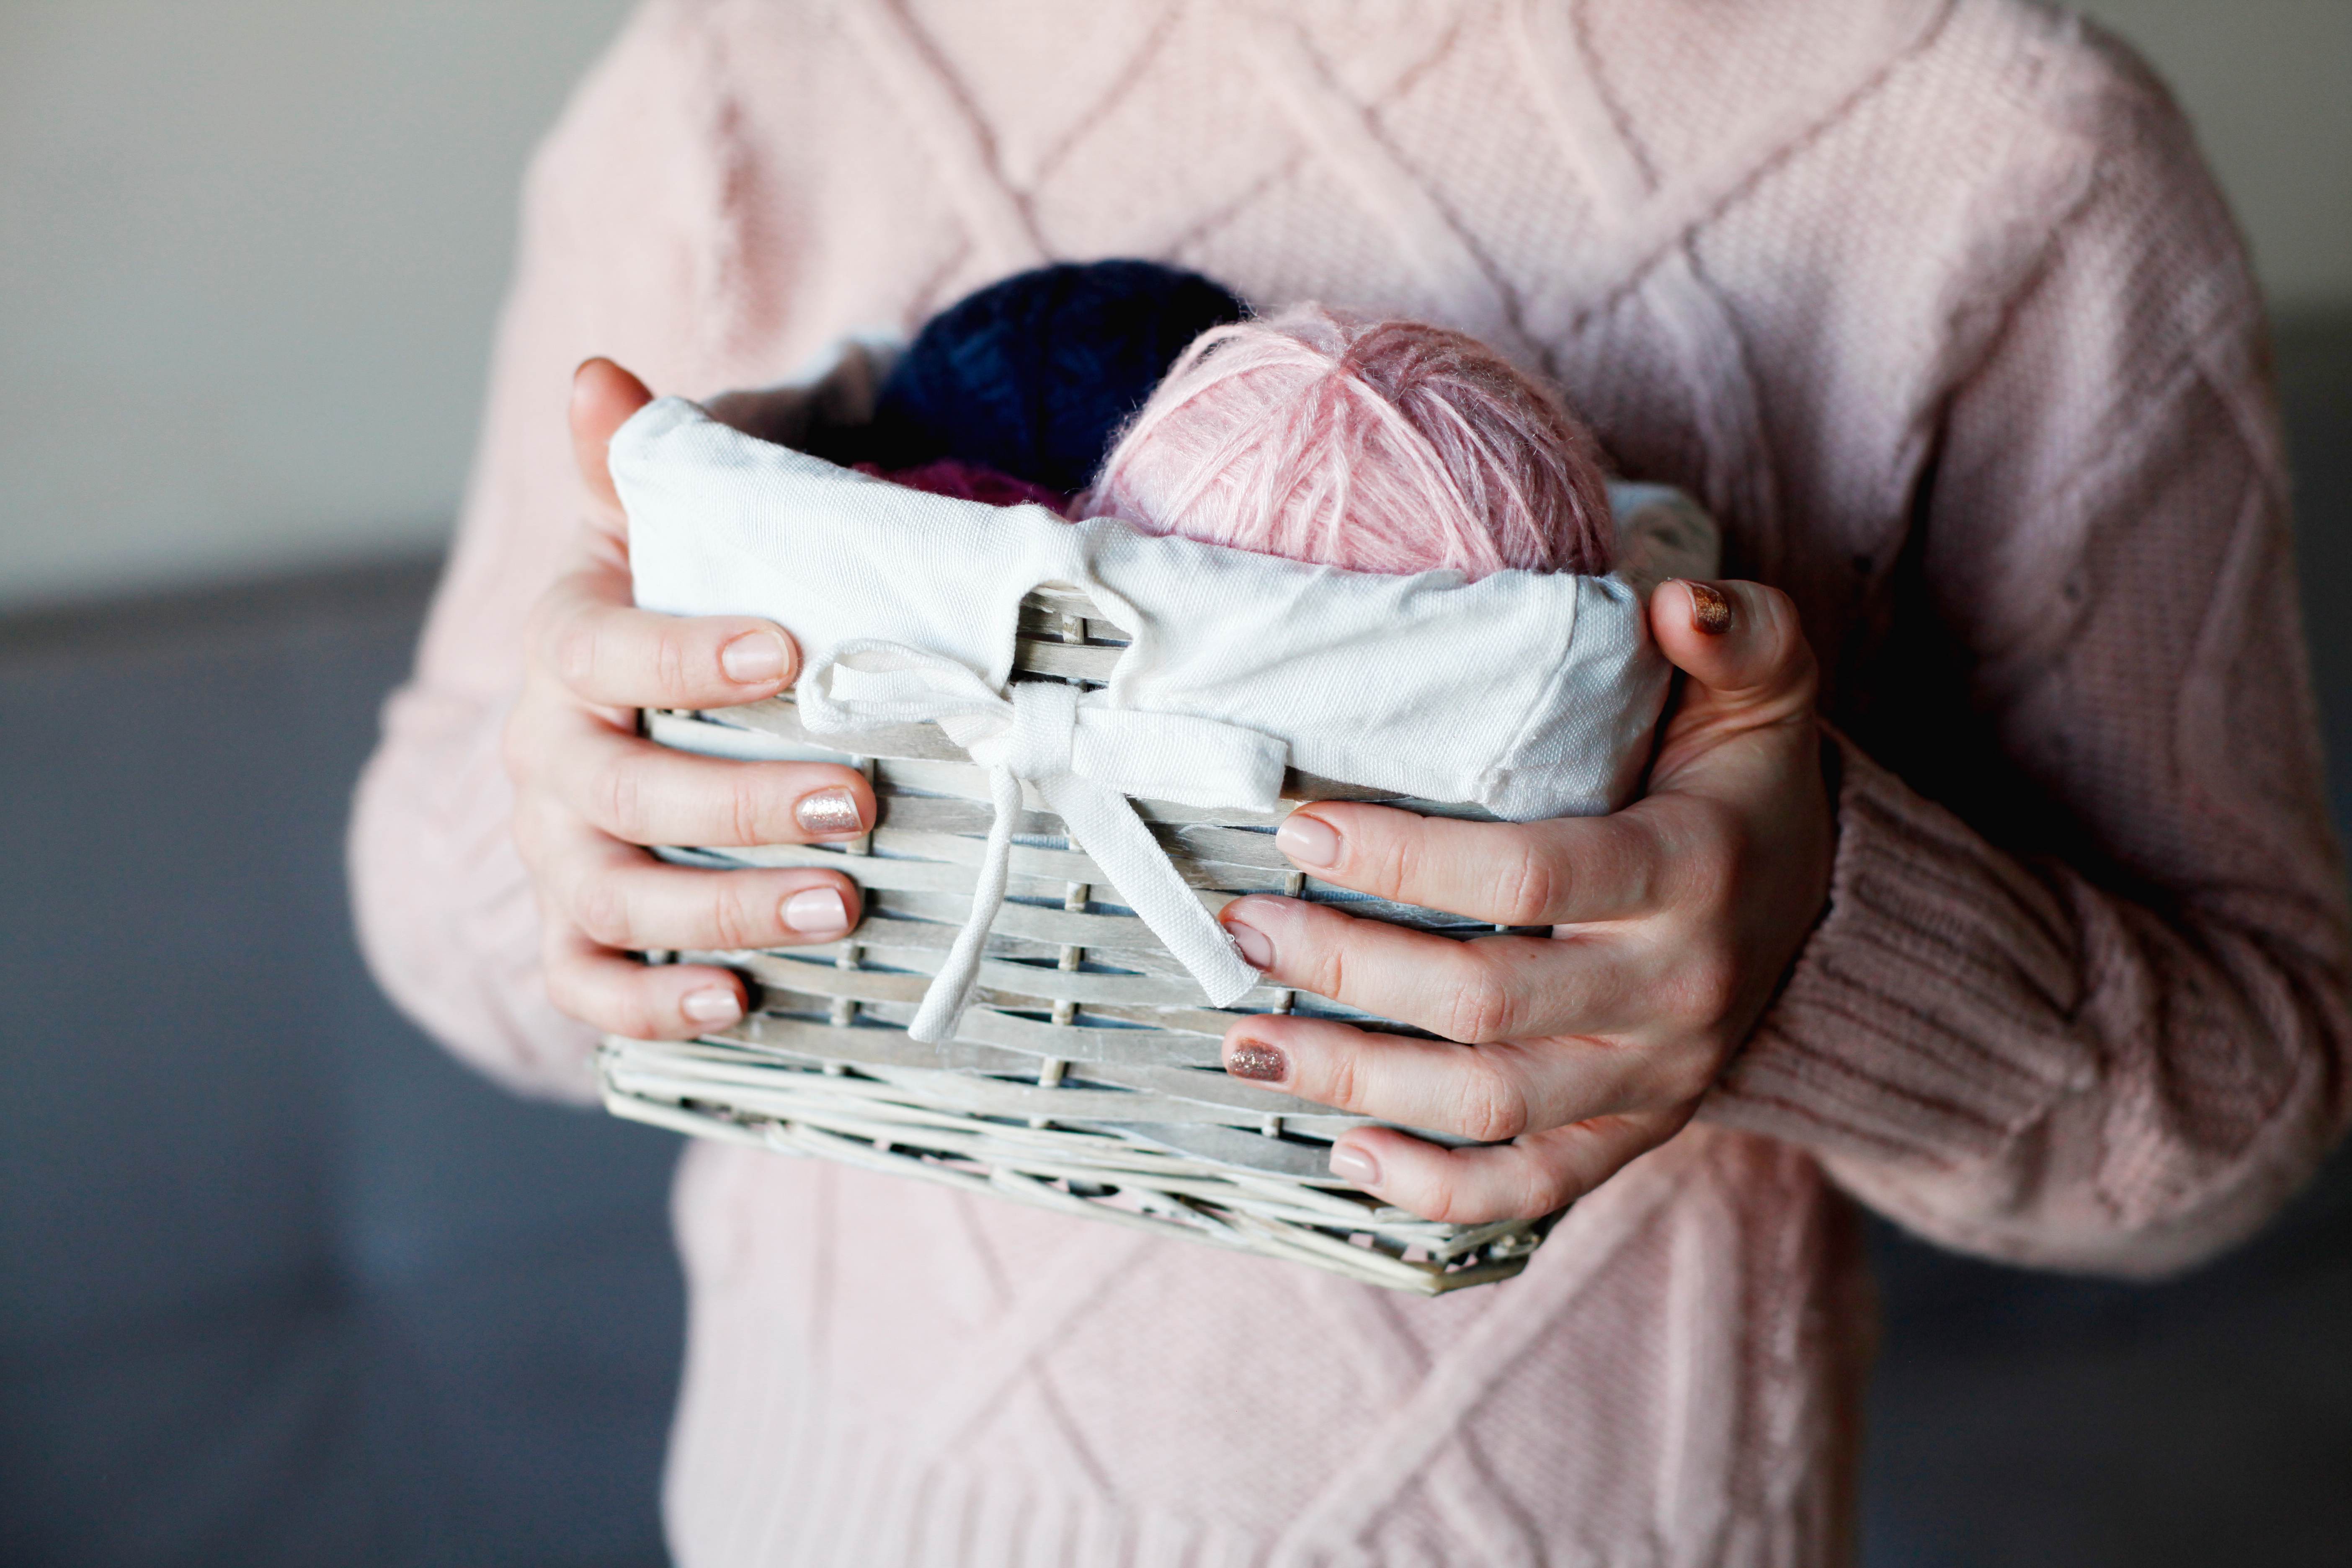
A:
1933	303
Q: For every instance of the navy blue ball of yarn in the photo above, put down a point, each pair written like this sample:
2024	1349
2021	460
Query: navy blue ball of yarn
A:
1033	375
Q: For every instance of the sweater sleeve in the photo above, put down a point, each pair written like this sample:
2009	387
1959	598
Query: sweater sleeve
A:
2085	1007
607	263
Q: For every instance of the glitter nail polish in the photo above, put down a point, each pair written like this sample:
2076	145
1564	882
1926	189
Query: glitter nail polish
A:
1710	609
1258	1061
829	814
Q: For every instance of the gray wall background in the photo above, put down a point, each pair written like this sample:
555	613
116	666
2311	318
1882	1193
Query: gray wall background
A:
250	251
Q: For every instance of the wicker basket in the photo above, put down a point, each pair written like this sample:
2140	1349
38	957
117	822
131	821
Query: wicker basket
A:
1086	1075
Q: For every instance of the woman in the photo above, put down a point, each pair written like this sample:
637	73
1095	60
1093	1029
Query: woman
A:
1984	876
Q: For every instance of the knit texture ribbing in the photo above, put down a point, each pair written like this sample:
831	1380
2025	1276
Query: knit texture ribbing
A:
1944	974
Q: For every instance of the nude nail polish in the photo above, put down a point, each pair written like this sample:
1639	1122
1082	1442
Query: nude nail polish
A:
713	1006
1258	950
1351	1164
753	658
1308	841
816	911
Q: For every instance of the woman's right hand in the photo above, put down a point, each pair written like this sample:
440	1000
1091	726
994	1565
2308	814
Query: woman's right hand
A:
590	793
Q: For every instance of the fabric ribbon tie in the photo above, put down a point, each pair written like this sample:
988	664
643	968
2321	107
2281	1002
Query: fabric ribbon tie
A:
1084	758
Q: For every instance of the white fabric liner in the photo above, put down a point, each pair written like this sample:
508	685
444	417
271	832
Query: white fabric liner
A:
1532	695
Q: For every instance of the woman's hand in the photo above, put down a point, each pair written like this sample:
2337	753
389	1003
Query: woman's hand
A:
1673	922
589	792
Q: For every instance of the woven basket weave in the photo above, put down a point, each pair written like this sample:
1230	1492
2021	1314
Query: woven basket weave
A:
1086	1075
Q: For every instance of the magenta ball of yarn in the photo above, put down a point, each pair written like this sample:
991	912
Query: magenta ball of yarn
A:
969	481
1382	446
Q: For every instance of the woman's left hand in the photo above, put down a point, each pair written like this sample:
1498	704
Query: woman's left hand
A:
1673	922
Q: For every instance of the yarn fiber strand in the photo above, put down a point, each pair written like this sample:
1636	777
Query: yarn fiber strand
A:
1381	446
1034	375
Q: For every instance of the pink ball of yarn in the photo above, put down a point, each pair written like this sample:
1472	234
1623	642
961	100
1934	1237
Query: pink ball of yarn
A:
969	481
1382	446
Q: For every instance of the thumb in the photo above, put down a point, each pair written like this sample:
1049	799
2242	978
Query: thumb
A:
1740	643
603	396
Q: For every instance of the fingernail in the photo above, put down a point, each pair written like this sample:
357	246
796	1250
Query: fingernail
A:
753	658
829	814
1710	609
1351	1164
1256	1060
1309	840
816	911
1256	950
713	1005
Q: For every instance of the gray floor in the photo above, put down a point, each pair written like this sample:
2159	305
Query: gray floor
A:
279	1284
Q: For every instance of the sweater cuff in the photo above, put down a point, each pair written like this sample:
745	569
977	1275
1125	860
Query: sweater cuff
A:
1927	1017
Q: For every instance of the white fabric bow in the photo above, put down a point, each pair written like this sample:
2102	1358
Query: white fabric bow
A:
1084	757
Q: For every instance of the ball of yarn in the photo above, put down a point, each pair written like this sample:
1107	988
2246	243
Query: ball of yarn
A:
1033	375
1382	446
969	481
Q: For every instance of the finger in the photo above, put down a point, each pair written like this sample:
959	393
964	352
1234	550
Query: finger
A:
1527	1179
641	792
1740	643
603	396
1573	871
1495	988
617	656
624	898
1488	1093
618	995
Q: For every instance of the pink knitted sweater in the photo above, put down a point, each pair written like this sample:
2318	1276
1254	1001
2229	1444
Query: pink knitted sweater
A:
1933	304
